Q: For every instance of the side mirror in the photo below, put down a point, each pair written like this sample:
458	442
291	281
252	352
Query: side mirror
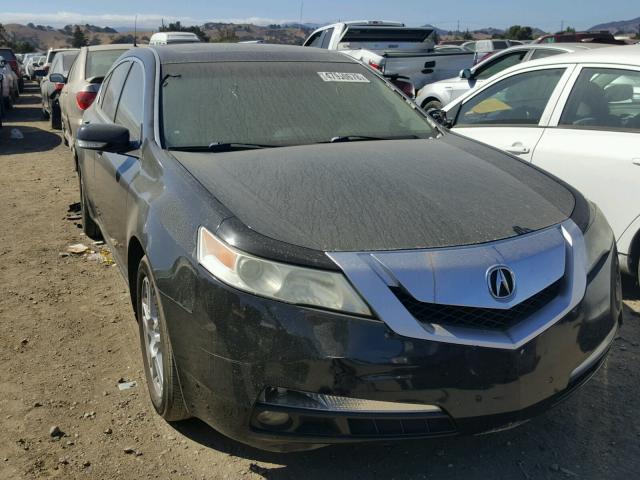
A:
467	74
57	78
440	116
104	138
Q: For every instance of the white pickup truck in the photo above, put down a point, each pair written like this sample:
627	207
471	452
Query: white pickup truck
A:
393	49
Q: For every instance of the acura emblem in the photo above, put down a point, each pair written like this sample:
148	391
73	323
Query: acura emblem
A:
502	282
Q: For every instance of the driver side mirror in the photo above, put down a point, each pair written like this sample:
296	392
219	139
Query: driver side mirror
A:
104	138
57	78
440	116
467	74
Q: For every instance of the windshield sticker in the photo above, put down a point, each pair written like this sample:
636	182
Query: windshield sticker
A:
343	77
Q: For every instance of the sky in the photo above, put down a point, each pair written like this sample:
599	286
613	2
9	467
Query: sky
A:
472	14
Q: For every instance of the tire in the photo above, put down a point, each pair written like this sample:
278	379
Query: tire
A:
8	103
45	114
89	227
432	105
56	118
21	85
159	368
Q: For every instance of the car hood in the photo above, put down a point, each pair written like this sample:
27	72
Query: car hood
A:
382	195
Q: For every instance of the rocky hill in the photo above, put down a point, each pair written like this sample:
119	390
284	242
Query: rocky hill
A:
43	37
623	26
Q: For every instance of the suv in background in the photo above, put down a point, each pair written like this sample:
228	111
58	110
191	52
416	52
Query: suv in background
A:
603	36
10	58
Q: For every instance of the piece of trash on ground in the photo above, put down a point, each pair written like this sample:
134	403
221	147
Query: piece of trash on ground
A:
127	385
77	248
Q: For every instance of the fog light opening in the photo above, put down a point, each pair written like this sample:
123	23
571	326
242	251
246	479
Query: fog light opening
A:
271	418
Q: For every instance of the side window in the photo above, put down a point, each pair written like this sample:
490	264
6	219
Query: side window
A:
501	63
130	107
55	66
113	89
315	40
327	38
544	53
499	45
73	68
604	98
518	100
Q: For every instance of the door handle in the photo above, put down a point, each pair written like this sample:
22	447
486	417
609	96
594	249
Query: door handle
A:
517	149
636	161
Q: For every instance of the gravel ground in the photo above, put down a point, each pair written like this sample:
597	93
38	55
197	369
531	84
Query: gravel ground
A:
67	337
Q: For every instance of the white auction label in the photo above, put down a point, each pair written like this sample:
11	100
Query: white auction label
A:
343	77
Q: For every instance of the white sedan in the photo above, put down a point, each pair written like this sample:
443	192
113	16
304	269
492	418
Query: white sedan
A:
576	116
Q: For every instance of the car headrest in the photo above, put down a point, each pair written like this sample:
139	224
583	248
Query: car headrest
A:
619	92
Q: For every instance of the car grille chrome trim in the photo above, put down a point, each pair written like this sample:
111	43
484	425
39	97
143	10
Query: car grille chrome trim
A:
456	277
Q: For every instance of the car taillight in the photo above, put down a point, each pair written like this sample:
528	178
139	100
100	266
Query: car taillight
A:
14	66
377	66
59	86
85	99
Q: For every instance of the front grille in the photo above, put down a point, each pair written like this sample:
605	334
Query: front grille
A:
473	317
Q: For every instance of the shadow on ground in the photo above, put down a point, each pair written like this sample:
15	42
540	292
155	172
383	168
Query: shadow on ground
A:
17	138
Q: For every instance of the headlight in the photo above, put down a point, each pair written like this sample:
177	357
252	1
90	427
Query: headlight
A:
598	237
287	283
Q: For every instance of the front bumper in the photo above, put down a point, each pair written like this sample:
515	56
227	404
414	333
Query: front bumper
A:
230	346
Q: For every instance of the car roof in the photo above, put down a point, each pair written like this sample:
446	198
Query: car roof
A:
626	55
234	52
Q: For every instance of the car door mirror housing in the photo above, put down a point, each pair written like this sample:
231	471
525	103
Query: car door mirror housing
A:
57	78
440	116
104	138
467	74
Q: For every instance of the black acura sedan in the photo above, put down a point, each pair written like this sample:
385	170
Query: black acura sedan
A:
312	260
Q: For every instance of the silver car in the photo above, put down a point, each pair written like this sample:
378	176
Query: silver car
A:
437	94
83	83
52	84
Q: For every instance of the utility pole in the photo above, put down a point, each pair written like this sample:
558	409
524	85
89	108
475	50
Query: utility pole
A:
561	25
458	29
301	10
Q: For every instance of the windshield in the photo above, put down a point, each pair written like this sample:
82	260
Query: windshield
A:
281	103
99	62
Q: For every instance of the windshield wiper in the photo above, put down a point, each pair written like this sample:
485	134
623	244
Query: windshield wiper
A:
217	147
357	138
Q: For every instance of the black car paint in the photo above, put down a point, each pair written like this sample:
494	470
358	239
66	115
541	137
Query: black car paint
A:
229	345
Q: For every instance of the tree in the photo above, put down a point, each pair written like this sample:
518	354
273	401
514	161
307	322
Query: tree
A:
3	35
517	32
95	40
467	35
79	38
22	47
569	30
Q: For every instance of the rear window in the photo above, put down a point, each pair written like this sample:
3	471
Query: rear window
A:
99	62
7	54
280	104
385	34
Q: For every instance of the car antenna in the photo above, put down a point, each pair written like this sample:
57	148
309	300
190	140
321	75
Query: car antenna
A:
135	31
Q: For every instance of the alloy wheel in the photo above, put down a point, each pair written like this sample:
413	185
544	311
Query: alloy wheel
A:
152	337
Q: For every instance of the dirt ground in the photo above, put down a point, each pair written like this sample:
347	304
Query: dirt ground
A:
67	337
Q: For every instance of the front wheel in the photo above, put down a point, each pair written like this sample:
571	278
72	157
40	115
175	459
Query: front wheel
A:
89	227
159	364
432	105
56	118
